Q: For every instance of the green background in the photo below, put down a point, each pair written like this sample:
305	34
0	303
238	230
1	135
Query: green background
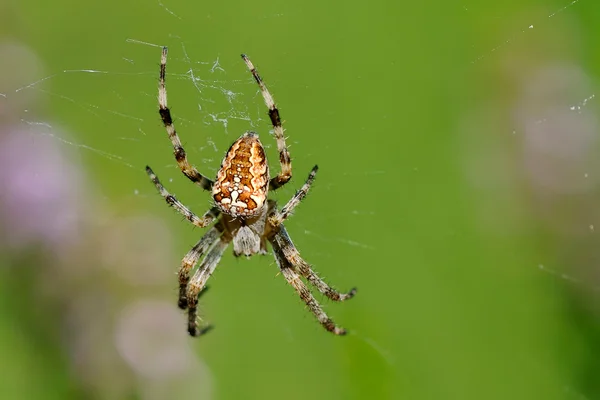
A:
406	107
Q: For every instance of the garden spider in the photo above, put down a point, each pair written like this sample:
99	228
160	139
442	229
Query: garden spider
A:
249	219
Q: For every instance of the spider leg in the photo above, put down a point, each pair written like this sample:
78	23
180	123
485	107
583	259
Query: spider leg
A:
278	217
294	279
198	281
284	156
191	259
206	219
291	254
165	114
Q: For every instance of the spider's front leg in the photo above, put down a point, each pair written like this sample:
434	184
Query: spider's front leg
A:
191	259
198	282
288	271
289	250
292	255
290	263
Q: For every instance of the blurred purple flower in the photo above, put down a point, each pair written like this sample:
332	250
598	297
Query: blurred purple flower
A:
41	200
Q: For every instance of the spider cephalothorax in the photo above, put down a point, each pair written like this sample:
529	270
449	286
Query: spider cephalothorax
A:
249	220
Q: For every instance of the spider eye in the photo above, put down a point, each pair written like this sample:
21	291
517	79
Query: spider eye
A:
243	181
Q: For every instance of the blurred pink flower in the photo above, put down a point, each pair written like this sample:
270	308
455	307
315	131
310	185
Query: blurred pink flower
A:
41	199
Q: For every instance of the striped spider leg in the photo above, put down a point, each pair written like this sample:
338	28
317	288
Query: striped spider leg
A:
165	114
285	162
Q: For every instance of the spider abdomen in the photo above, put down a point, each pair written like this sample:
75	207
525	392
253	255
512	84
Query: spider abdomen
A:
242	183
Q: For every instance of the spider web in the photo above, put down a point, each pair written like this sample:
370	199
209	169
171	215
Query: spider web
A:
208	79
220	104
211	107
213	100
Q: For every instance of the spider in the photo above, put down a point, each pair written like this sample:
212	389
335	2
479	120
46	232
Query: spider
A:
243	213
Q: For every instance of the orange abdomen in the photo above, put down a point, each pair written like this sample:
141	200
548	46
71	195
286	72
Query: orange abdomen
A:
242	183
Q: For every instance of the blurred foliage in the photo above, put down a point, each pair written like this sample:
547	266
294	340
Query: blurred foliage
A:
423	199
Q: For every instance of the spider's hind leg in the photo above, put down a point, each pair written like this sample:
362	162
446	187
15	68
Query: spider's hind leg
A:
165	114
285	162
